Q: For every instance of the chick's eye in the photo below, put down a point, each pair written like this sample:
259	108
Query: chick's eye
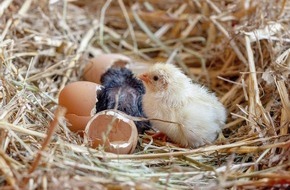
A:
155	78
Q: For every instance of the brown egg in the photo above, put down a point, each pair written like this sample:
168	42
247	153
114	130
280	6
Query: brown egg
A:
113	130
99	65
79	98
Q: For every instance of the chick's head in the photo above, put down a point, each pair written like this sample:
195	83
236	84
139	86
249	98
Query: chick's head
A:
164	78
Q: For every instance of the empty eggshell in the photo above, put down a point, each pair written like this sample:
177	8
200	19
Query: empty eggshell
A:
79	98
99	65
113	130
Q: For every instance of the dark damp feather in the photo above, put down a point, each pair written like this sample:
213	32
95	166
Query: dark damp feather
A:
120	85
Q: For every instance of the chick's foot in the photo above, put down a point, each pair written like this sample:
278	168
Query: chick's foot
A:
158	135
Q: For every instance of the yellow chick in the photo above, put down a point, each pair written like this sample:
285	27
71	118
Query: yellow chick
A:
171	96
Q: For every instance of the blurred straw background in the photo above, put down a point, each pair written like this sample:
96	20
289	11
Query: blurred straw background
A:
239	49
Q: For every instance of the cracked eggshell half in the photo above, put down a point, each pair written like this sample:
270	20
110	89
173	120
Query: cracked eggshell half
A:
113	131
99	65
79	98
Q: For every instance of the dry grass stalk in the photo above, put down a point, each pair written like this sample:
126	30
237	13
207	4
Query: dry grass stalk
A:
240	49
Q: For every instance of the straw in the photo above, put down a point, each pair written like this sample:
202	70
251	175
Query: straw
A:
238	49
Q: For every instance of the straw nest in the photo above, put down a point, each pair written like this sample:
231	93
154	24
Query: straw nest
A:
239	49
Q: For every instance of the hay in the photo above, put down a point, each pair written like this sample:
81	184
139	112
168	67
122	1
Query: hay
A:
240	49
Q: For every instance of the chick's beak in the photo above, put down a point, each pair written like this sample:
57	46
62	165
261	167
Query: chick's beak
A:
144	77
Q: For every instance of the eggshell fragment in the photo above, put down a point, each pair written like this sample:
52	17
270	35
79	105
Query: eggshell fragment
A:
138	67
79	97
111	129
77	124
99	65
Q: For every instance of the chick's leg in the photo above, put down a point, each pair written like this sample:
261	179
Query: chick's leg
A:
158	135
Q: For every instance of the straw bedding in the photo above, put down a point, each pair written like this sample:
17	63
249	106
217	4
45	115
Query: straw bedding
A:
239	49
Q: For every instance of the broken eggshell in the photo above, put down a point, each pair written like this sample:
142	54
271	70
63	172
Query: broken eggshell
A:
99	65
112	130
77	124
79	98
